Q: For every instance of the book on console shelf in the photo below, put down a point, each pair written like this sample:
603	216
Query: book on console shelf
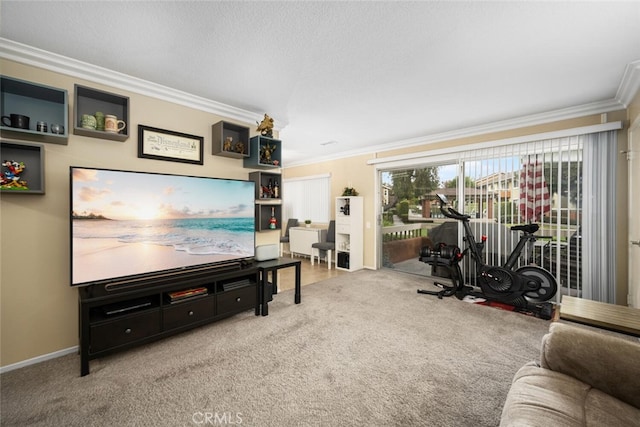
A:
185	299
187	294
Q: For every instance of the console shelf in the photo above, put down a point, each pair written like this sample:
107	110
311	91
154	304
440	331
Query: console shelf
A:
115	319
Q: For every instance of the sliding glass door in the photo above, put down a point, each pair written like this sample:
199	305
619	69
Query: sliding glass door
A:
498	187
408	213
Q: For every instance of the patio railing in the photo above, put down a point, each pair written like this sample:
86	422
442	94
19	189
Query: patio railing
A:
408	231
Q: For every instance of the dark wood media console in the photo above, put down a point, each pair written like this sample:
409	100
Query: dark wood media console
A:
114	318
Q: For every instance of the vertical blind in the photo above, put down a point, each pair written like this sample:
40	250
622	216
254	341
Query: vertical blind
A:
567	185
308	198
599	227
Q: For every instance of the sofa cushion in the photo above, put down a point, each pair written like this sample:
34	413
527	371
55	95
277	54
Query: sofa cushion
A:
600	409
605	361
540	397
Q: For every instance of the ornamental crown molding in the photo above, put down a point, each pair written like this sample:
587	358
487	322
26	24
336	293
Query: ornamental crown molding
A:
22	53
630	83
40	58
628	88
494	127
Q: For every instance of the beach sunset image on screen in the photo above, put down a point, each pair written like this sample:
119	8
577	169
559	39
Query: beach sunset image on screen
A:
134	223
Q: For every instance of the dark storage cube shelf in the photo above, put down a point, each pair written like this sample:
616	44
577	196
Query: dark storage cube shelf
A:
40	103
238	145
33	157
263	215
257	160
90	101
262	180
264	204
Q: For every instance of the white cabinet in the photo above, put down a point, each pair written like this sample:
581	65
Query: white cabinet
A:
301	239
349	233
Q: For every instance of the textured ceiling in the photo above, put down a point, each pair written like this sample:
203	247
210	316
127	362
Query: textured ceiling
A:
360	73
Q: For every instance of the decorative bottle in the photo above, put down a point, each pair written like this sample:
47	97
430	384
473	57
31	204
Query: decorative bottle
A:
273	222
276	191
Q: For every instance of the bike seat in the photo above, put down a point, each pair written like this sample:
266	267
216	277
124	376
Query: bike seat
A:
527	228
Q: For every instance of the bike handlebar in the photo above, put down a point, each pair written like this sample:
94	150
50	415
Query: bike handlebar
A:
449	212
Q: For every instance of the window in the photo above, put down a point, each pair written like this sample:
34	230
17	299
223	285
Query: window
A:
308	198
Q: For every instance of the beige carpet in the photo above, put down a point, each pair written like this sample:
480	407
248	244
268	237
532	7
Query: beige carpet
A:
363	349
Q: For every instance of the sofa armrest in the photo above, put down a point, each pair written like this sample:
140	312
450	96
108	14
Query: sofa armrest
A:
606	362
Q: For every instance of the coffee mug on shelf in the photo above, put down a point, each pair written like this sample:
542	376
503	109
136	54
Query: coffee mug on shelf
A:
88	121
99	121
16	121
112	124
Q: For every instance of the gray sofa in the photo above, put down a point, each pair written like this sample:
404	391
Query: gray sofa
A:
585	377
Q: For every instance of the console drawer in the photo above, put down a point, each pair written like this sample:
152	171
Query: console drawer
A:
237	300
124	330
185	313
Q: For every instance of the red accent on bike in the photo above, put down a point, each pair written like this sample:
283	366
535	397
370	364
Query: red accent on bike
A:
484	238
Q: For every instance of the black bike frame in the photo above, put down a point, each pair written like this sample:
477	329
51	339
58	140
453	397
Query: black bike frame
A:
474	247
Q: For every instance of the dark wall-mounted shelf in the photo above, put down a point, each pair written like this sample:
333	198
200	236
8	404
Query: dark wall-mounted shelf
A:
263	216
32	155
266	179
91	101
257	159
265	201
230	140
38	102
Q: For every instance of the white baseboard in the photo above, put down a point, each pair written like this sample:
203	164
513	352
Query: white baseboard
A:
39	359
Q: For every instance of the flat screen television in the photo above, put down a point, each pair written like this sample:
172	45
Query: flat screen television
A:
128	226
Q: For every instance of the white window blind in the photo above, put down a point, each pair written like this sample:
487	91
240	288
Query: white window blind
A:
308	198
578	173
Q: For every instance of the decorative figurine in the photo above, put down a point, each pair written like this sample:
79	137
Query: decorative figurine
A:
10	178
266	126
228	141
240	148
266	151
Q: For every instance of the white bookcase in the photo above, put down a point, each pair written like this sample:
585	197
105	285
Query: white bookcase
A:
349	233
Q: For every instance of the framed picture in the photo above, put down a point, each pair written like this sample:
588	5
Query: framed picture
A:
160	144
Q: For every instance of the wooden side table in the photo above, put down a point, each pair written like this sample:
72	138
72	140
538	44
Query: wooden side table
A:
613	317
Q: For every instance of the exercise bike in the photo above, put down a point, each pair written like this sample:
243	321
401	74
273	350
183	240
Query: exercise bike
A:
524	287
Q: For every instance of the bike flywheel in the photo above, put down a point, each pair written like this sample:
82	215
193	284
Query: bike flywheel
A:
497	279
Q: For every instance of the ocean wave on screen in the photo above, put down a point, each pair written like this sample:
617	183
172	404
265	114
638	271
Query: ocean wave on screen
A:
217	248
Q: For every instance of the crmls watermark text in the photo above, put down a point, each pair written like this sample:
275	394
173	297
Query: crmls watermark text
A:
217	418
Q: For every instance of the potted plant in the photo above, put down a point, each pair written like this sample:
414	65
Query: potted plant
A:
349	191
307	223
